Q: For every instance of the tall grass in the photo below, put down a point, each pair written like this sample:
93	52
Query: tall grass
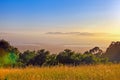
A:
91	72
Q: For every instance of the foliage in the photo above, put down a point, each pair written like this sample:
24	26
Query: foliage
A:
65	57
8	54
51	60
113	52
26	56
11	56
40	58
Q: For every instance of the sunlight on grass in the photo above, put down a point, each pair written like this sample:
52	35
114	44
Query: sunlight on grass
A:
92	72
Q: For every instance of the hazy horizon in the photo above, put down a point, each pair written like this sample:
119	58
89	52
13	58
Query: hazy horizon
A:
53	24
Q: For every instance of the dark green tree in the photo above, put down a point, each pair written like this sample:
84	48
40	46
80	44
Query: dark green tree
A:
89	59
8	54
40	57
26	57
51	60
4	44
95	50
65	57
77	58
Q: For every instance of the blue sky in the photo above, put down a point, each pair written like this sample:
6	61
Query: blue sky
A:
81	22
51	13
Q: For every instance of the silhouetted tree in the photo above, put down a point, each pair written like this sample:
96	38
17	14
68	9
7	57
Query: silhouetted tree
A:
95	50
4	44
26	56
77	59
89	59
51	60
40	57
113	52
65	57
10	55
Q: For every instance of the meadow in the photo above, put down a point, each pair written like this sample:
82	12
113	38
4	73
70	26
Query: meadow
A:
84	72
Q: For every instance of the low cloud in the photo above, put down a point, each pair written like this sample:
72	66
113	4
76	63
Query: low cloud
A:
89	34
76	33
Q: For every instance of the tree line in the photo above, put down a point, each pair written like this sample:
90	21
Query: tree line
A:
11	56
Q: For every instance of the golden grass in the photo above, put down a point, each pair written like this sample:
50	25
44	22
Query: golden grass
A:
91	72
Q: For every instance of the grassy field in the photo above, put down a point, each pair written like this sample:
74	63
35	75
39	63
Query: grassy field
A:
96	72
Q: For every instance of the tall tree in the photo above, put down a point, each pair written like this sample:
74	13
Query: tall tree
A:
40	57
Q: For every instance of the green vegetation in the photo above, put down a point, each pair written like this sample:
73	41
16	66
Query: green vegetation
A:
10	56
66	65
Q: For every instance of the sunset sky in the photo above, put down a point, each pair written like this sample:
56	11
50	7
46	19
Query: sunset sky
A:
76	23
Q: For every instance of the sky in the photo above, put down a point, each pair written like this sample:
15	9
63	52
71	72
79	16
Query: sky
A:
65	22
